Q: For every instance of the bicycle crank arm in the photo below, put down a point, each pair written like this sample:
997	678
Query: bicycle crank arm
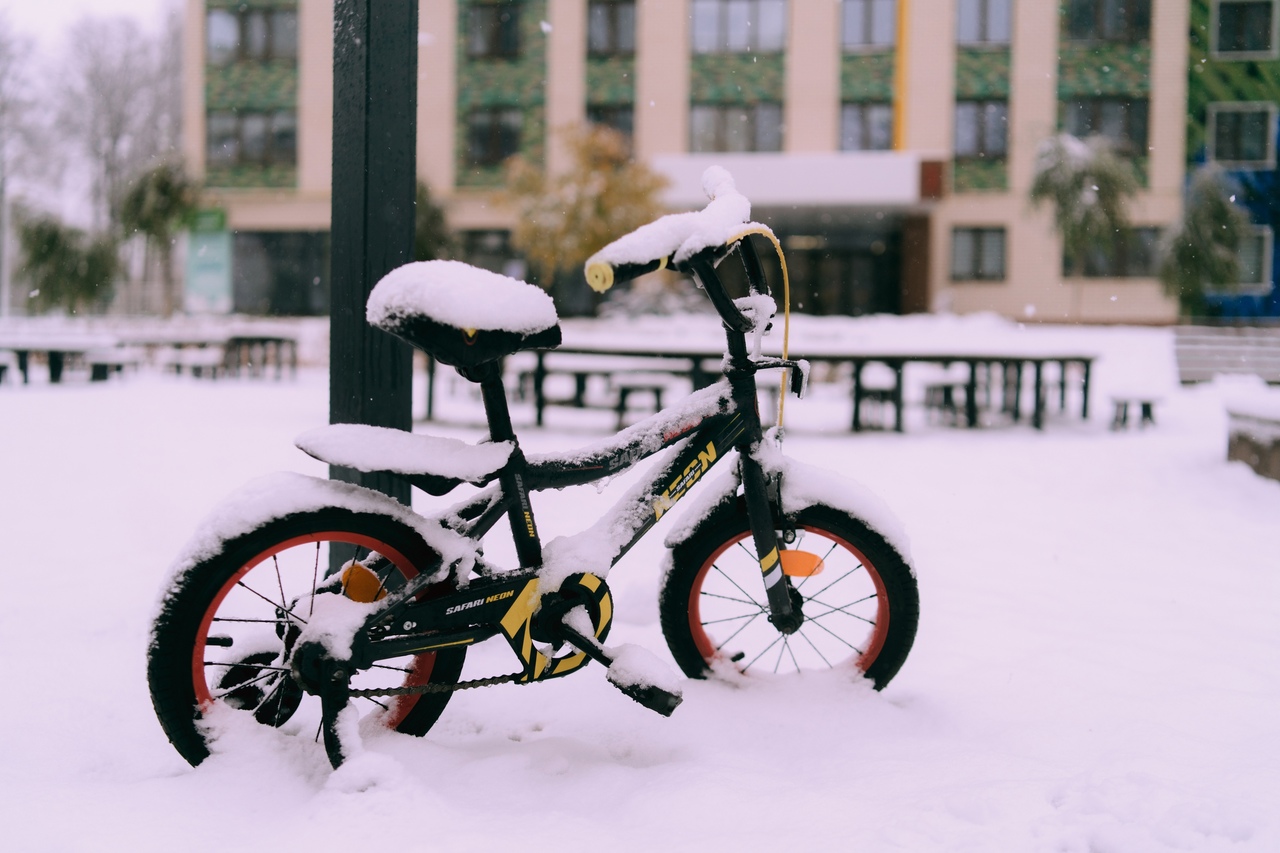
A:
649	695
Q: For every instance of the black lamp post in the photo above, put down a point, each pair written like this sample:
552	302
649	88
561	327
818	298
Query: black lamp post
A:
375	94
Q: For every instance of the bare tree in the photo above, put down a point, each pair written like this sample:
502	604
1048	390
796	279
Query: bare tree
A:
112	105
15	110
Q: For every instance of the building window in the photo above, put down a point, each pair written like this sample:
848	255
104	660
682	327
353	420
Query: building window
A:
493	135
1254	256
1242	136
611	27
1124	21
866	127
251	138
735	128
1244	29
739	26
977	254
250	35
493	30
1133	255
983	21
620	117
982	129
1121	120
868	24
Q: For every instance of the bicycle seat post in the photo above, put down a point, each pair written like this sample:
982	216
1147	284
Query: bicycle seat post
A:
519	511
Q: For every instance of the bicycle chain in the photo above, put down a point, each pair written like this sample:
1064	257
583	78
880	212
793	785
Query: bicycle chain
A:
435	688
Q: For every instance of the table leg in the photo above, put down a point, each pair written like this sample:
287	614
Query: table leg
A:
971	396
539	399
55	367
1037	419
857	396
1017	391
431	388
24	363
1084	391
1062	389
897	396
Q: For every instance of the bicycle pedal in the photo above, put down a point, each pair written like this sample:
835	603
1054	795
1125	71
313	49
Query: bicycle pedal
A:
652	697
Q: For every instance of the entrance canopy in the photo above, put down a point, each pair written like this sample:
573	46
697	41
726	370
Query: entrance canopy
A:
865	179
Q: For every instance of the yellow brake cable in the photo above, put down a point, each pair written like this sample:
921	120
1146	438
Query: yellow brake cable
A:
786	311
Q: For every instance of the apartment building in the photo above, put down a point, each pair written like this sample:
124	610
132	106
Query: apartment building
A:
891	144
1233	96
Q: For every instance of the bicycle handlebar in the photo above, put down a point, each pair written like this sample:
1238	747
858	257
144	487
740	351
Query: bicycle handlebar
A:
691	242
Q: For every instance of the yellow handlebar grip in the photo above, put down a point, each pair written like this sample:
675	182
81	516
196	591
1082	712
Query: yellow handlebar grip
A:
600	277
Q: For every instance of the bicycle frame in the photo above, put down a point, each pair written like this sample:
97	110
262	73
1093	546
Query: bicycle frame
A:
702	431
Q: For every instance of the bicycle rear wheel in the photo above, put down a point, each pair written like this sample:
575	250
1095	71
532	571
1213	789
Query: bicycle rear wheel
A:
228	624
860	611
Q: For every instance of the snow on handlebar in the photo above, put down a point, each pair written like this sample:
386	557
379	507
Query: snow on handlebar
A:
676	237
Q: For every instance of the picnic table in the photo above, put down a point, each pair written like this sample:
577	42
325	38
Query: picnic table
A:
699	364
56	348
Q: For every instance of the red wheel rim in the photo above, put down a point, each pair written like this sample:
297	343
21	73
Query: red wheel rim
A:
420	671
874	640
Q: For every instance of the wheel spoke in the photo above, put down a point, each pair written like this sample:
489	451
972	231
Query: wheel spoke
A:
258	666
729	618
747	601
280	606
852	571
726	640
816	650
764	651
823	558
243	685
315	578
394	668
749	596
831	609
834	634
280	581
245	619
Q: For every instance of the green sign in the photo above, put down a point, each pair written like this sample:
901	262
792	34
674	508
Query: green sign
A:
209	219
209	273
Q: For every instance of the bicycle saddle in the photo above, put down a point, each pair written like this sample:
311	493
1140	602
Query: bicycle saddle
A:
462	315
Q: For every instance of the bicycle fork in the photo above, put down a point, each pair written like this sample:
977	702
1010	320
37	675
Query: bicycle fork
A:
783	613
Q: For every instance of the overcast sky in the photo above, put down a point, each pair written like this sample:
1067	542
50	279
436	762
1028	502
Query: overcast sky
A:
48	20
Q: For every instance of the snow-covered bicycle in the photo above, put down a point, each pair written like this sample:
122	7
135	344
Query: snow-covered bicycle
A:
304	603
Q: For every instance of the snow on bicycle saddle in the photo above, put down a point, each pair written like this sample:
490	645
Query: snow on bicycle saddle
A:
463	315
432	463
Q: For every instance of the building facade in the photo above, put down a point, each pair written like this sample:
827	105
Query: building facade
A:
891	144
1233	97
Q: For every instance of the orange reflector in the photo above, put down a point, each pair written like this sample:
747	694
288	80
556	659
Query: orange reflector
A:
360	584
801	564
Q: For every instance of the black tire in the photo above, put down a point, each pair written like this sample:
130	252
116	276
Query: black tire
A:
861	610
241	589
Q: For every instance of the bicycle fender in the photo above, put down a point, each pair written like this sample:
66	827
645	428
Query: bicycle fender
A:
434	464
280	495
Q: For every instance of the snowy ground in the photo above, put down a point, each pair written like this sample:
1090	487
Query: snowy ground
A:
1095	669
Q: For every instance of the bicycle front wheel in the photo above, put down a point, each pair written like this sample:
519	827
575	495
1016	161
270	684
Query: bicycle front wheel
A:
860	611
228	624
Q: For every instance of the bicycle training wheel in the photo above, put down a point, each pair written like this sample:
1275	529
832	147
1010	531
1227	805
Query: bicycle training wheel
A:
228	624
860	609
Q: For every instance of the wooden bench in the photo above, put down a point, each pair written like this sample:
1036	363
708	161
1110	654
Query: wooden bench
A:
1202	352
1254	436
